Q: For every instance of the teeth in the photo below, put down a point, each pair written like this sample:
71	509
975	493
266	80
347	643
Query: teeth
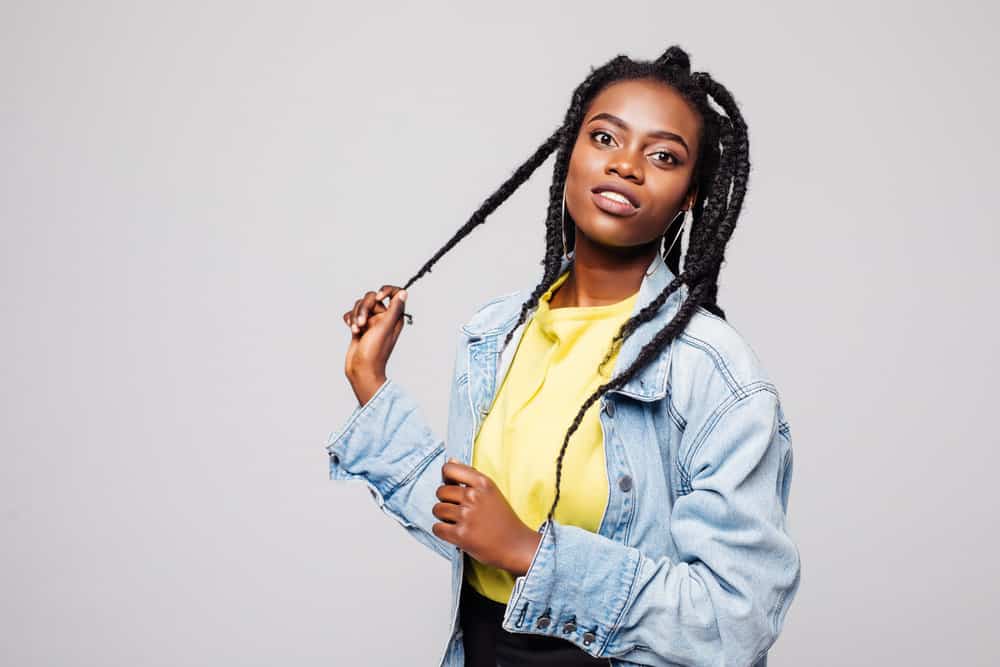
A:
616	196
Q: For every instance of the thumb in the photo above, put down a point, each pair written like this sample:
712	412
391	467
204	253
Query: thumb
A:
397	323
396	305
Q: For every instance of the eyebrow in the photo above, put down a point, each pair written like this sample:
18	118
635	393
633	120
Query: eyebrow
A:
660	134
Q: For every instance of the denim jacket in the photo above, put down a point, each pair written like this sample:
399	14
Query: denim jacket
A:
692	564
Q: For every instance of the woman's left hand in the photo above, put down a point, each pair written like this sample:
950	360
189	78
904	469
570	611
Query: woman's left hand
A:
479	520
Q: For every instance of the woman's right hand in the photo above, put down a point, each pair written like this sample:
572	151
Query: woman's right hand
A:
374	331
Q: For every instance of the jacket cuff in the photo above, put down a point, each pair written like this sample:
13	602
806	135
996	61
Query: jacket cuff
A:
571	569
364	447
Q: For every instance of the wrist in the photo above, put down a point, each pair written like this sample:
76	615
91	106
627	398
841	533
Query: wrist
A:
365	385
524	553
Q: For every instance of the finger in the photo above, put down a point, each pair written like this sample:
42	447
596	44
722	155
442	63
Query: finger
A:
367	303
375	317
446	531
349	321
397	304
354	316
348	316
386	290
456	472
447	512
450	493
396	329
394	313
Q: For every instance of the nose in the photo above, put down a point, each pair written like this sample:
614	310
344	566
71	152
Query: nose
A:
625	166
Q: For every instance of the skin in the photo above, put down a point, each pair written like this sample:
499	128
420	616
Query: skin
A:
612	254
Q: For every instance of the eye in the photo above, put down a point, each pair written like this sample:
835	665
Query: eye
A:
594	134
670	155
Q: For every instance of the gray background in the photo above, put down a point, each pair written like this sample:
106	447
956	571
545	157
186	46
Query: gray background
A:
193	193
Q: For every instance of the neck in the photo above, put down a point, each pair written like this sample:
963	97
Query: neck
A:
601	275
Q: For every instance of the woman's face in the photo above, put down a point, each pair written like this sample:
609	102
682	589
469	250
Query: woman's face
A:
641	137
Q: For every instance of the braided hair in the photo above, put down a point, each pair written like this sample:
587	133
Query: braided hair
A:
721	172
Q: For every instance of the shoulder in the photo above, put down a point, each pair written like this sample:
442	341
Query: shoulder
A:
716	346
493	314
713	365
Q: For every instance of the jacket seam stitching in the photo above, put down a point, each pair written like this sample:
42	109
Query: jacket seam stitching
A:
415	470
357	420
773	616
685	458
675	414
625	603
472	329
360	414
717	359
628	520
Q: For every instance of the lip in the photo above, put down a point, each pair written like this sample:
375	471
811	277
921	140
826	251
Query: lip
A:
613	207
616	187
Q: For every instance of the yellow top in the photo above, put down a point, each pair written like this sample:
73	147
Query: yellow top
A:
553	371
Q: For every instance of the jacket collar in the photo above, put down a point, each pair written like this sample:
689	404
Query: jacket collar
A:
650	383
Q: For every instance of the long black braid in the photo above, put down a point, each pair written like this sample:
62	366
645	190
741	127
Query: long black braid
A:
721	172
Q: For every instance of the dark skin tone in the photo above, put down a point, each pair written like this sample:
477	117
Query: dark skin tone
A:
612	252
617	143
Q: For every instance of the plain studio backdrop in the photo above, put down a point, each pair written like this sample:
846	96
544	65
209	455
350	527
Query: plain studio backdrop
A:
193	193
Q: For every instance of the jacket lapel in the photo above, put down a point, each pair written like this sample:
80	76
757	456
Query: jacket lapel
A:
486	331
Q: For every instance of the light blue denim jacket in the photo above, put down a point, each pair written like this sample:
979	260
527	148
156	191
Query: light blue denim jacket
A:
692	564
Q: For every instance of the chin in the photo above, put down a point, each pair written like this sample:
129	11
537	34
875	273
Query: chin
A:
613	232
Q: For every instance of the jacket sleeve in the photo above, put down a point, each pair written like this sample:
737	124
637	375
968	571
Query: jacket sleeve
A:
388	445
723	601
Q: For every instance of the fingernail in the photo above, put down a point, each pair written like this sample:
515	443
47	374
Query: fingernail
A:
402	295
361	319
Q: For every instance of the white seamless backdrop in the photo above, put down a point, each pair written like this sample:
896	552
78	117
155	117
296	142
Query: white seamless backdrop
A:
194	192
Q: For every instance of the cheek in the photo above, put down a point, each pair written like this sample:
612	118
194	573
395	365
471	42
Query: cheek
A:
583	167
668	190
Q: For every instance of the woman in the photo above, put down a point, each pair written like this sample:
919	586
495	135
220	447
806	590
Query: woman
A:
670	545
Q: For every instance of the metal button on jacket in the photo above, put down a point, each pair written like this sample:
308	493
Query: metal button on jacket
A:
589	637
609	407
543	622
569	626
625	483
